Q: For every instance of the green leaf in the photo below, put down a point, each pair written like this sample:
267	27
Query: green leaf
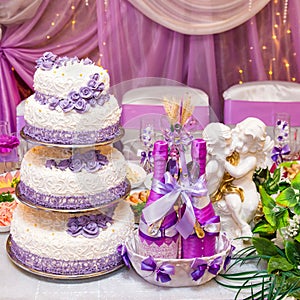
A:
297	238
282	218
287	198
296	182
264	246
297	208
279	263
263	227
267	200
292	252
270	216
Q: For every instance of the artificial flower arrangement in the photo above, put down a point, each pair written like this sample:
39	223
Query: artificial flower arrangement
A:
276	239
7	201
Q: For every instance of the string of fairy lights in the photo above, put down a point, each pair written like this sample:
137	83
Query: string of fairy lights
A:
271	46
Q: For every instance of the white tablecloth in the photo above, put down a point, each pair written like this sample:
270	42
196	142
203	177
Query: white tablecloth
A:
122	284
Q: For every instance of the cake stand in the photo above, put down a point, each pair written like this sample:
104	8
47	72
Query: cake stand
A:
32	205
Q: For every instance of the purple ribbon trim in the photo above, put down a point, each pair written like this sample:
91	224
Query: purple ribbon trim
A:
212	226
171	190
162	273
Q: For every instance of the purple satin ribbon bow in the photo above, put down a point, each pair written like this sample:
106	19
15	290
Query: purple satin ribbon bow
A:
279	152
162	273
201	266
171	190
122	250
7	143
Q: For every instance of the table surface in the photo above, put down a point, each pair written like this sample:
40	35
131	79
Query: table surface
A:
122	284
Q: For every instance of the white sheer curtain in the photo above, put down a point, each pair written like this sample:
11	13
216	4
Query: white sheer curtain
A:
17	11
199	17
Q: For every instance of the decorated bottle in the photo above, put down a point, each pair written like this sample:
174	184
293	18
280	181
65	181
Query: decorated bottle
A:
160	238
202	242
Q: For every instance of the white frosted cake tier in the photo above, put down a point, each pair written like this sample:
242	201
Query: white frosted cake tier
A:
63	243
68	179
71	104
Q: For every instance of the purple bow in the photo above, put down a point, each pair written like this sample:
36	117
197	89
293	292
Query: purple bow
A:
122	250
7	143
171	190
201	266
162	273
278	152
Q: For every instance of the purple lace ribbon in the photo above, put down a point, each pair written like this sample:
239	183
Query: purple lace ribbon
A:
171	190
8	142
228	257
162	273
72	137
64	267
68	202
201	266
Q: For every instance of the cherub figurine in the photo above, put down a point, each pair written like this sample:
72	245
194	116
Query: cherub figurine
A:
237	199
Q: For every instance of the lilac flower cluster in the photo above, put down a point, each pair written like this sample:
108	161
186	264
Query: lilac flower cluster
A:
88	225
87	96
49	61
91	161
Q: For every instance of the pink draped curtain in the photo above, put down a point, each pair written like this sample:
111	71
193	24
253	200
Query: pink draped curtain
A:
130	45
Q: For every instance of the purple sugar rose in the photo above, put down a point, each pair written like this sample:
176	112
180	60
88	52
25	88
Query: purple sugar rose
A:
93	84
89	155
76	165
92	166
53	102
92	102
100	87
50	163
63	164
74	228
49	56
74	96
81	106
87	61
101	158
41	98
95	76
83	220
90	230
47	61
66	104
62	61
85	92
102	99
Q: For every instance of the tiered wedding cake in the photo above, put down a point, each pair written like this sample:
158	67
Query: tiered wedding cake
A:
70	221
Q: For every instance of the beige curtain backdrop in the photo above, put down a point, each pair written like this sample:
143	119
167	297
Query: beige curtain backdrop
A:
199	17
